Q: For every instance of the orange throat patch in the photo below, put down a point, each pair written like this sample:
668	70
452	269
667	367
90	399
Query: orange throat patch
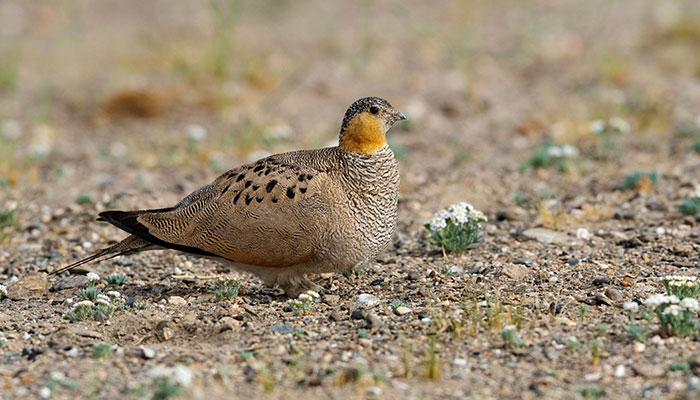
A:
364	135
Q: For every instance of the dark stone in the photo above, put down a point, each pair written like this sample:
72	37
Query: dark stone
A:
358	314
376	282
601	281
573	261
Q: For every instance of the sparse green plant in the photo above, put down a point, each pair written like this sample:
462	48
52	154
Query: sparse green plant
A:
550	155
227	288
302	304
696	146
298	332
432	363
246	355
690	206
89	293
596	352
681	286
679	366
582	312
445	270
572	343
607	137
591	392
101	350
363	333
115	279
164	389
140	305
510	335
639	180
7	222
83	199
3	340
456	228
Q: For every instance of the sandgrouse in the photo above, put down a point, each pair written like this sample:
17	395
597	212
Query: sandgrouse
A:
287	215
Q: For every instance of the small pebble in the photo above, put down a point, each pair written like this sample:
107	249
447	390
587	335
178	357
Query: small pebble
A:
639	347
402	310
147	352
177	300
620	371
367	300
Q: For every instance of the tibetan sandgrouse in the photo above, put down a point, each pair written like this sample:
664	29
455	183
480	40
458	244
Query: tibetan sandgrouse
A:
287	215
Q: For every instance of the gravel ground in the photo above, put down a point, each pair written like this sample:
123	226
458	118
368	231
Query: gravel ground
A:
164	109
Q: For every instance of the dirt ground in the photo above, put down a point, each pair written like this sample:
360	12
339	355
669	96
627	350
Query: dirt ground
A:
132	105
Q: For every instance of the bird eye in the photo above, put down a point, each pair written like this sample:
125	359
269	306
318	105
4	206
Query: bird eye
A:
374	109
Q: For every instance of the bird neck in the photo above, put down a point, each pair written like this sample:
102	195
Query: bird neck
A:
364	134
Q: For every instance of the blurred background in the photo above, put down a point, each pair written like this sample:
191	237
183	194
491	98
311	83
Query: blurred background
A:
132	104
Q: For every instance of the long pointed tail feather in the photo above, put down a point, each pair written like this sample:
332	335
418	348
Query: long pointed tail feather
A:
130	245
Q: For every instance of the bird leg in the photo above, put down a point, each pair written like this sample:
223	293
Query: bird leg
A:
298	286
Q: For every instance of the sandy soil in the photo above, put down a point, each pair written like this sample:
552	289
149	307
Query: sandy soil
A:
133	105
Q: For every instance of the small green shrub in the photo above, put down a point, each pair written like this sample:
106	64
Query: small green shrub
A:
115	279
456	228
637	179
690	206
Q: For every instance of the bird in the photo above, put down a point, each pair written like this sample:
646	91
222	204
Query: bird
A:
287	216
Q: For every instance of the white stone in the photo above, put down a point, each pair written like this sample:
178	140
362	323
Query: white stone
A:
177	300
620	371
367	300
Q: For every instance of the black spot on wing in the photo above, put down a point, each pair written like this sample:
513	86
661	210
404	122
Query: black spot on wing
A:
248	198
255	187
258	168
240	177
290	191
301	177
274	199
235	199
270	185
302	190
248	183
259	199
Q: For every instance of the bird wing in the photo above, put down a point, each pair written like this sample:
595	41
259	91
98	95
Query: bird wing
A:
258	214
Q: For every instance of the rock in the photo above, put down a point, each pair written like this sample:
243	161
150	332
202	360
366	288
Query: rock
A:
614	295
179	374
70	282
551	237
365	342
282	328
413	276
358	314
147	352
650	371
30	286
682	249
373	321
601	281
402	310
514	271
573	261
639	347
620	371
367	300
177	300
227	324
627	281
331	299
335	316
89	334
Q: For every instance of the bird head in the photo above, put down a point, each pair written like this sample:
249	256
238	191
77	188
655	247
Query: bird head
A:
365	125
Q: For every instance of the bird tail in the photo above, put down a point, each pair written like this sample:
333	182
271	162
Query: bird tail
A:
130	245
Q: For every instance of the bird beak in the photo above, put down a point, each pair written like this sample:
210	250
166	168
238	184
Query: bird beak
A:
400	116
